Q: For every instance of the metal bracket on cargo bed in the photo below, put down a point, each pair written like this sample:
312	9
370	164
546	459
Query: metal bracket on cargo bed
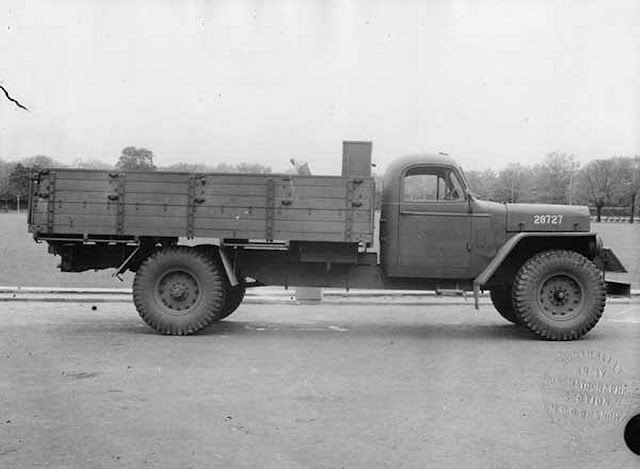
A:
228	268
125	265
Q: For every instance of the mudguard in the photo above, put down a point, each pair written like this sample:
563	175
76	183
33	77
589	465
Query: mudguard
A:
605	259
610	262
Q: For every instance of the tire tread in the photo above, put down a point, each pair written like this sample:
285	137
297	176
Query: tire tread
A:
526	279
214	286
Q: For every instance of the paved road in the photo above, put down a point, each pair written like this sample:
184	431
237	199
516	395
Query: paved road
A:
310	386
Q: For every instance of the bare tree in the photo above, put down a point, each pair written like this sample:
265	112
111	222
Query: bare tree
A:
483	183
629	182
554	178
599	183
514	184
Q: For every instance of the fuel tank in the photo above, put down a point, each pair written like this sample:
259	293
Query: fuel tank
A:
546	217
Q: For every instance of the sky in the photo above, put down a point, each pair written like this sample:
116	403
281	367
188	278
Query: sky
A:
488	82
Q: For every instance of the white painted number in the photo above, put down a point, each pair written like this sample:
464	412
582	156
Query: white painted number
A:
547	219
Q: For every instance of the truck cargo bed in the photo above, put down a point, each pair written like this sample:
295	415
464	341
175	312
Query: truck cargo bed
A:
240	206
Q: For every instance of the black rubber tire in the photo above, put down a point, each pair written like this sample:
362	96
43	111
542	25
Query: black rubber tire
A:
502	300
196	290
559	294
235	295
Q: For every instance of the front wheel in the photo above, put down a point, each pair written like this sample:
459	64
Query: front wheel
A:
559	294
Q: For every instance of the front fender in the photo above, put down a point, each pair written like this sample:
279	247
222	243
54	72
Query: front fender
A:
604	258
546	242
513	242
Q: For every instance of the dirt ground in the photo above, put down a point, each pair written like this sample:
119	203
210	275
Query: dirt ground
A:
328	386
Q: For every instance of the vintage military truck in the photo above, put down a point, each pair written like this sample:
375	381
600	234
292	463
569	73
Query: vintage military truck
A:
543	267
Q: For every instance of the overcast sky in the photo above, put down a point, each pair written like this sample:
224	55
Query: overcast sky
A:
489	82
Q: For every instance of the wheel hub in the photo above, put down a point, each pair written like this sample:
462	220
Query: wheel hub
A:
561	297
178	290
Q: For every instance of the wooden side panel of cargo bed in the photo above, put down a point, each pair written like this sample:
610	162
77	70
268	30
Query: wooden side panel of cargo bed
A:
272	207
306	208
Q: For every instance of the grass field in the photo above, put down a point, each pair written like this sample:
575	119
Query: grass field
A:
23	262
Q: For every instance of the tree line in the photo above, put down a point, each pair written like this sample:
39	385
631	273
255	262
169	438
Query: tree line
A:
607	185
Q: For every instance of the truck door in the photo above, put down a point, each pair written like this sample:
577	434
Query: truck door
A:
434	224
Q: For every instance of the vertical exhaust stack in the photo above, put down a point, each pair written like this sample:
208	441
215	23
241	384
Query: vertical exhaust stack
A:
356	159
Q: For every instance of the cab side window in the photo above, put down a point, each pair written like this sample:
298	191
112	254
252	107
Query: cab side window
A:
425	183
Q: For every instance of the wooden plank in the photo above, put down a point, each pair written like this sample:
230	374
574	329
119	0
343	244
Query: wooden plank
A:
132	187
280	225
317	203
150	226
98	210
282	236
232	189
139	210
82	197
302	192
235	179
210	178
222	213
158	177
87	219
78	214
159	227
79	222
174	200
130	210
67	201
136	187
95	228
86	185
103	197
281	213
82	175
282	190
302	181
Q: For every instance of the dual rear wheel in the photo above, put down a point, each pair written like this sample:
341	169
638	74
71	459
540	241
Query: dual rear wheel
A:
179	290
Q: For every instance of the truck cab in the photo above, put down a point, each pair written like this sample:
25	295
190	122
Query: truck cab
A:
426	220
432	225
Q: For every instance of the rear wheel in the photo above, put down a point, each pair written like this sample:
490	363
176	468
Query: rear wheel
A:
235	295
179	290
501	297
560	295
